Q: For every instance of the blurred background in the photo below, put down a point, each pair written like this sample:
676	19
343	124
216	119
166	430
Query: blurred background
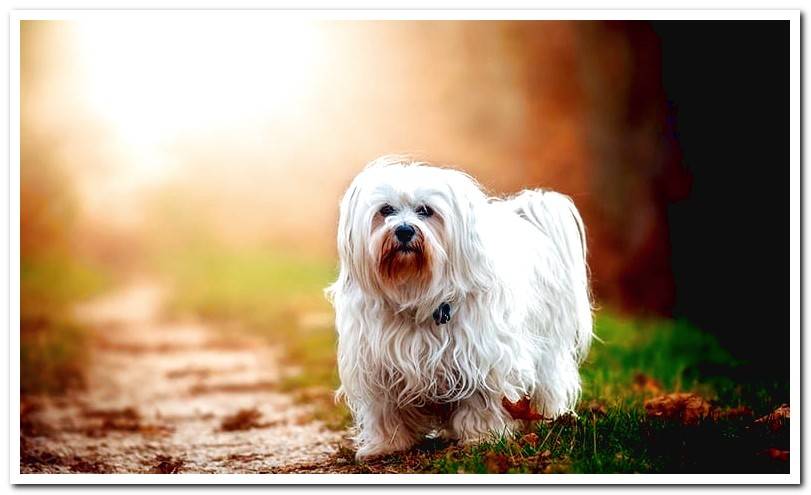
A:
211	153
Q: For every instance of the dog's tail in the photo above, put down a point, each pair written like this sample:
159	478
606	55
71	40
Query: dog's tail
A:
556	216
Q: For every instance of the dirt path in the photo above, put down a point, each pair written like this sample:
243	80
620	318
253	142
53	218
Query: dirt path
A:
170	396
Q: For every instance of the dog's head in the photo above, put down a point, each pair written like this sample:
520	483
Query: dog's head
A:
407	230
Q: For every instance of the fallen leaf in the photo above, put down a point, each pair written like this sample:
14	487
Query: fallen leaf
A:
646	384
557	468
521	409
541	461
244	419
686	408
734	412
776	419
496	463
597	408
776	454
529	439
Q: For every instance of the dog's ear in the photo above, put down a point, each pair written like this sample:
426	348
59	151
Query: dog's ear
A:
469	266
347	240
348	207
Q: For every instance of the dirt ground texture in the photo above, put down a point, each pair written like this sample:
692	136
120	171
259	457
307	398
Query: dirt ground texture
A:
166	396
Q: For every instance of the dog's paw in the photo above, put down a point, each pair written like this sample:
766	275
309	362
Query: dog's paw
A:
442	314
447	435
374	451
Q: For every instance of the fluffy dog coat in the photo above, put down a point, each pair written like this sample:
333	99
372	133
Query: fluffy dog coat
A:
513	272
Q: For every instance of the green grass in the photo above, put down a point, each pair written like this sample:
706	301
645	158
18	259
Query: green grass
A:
620	437
623	440
674	353
258	287
52	345
52	355
679	356
267	293
50	283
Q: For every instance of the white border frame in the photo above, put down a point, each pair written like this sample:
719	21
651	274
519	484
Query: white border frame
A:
793	16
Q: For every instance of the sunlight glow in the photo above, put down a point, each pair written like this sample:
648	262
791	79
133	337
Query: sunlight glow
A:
154	79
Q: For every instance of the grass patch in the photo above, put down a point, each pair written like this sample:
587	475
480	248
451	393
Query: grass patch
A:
50	283
276	294
261	288
613	434
624	440
52	345
676	357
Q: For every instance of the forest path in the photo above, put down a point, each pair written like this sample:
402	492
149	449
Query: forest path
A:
168	396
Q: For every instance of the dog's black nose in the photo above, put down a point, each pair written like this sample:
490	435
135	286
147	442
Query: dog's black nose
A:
404	232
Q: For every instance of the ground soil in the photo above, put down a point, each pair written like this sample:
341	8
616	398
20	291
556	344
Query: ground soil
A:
172	396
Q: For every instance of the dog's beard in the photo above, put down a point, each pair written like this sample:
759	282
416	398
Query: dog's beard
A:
402	265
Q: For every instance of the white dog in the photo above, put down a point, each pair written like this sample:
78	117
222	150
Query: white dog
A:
449	303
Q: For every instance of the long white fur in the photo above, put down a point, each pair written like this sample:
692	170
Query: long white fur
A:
514	272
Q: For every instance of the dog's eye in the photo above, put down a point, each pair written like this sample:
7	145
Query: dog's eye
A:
424	211
387	210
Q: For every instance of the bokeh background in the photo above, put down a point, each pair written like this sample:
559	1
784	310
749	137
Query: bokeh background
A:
211	153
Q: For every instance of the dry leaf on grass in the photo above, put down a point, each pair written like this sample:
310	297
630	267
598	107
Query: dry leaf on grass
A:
730	413
686	408
538	463
776	454
776	419
529	439
646	384
597	408
496	463
545	457
521	409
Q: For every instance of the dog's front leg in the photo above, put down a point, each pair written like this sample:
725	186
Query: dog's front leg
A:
384	429
477	420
